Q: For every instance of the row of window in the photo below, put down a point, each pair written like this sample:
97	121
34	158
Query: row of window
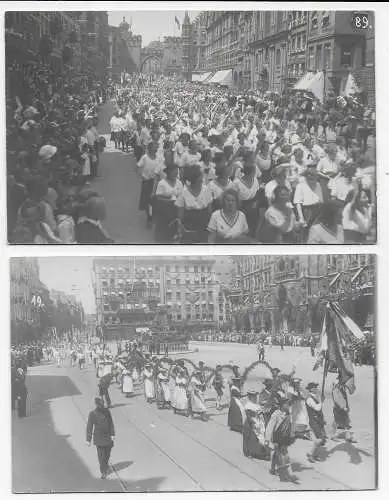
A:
320	57
298	42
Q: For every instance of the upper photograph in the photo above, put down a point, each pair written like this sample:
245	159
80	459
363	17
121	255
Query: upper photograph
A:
181	127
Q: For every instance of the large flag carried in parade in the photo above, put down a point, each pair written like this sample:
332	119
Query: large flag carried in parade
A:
177	22
339	335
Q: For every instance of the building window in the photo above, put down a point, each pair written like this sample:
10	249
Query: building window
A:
325	19
314	21
188	316
179	317
178	295
318	63
177	281
327	56
311	59
346	55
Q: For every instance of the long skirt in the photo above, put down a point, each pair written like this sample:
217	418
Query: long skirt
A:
135	375
128	384
163	393
196	221
149	389
180	399
145	194
165	212
172	390
197	402
253	443
236	415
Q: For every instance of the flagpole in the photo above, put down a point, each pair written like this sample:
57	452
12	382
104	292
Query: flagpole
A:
324	375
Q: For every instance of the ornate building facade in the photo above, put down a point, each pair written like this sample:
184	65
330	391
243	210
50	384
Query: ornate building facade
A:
29	299
285	294
146	291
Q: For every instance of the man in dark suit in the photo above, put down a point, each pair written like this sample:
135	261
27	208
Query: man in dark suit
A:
100	425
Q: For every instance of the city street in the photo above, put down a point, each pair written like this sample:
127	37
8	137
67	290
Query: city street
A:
119	184
156	450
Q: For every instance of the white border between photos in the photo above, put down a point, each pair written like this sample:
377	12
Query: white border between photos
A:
381	249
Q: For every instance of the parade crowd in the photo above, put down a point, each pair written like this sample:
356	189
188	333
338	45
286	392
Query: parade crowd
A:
270	418
253	168
215	166
53	150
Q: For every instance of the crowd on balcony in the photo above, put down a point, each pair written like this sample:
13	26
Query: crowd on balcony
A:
53	152
219	167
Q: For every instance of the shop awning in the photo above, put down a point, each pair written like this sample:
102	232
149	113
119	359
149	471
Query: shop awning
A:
200	77
223	77
316	83
348	86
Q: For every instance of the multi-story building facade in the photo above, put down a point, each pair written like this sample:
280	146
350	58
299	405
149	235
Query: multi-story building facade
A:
284	294
297	45
172	55
268	45
200	42
335	46
142	291
29	298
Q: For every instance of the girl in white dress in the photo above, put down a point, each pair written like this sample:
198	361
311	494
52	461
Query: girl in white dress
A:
165	209
220	184
127	383
247	188
194	206
181	403
148	379
197	396
228	224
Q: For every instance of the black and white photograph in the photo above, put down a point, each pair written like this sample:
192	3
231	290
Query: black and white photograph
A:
196	373
188	127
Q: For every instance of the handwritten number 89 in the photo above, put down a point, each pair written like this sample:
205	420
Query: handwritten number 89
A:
361	22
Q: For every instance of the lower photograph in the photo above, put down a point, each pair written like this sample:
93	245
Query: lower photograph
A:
179	374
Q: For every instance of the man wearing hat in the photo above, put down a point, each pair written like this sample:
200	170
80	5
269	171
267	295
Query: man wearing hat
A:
341	412
299	414
278	437
100	425
314	404
104	383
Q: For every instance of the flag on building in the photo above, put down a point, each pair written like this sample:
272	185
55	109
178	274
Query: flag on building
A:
338	337
177	22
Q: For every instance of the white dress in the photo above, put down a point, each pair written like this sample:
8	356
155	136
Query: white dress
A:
197	397
246	192
216	190
148	384
225	229
128	384
165	189
190	202
180	396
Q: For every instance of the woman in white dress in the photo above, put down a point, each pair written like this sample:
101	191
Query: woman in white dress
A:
328	230
148	380
279	224
163	390
357	216
228	224
308	199
247	188
197	396
219	185
127	383
165	209
194	206
181	403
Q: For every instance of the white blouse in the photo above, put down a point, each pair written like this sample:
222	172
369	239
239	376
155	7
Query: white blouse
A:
340	187
216	190
165	189
222	227
306	196
149	167
189	201
245	192
328	167
188	159
277	218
